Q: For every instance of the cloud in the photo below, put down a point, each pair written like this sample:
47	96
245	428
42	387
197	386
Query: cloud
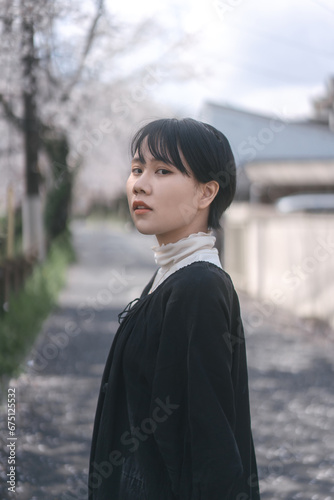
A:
254	52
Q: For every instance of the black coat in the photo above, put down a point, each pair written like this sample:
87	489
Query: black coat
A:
173	420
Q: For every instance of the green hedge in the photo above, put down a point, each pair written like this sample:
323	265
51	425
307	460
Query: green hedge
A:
28	309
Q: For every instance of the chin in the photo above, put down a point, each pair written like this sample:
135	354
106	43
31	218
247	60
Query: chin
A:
144	230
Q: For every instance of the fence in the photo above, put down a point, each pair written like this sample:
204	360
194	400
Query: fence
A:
14	269
283	259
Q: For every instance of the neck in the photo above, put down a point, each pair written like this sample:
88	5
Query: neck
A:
198	225
178	234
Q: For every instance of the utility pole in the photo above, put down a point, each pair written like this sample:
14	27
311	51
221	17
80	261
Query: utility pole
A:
33	230
324	106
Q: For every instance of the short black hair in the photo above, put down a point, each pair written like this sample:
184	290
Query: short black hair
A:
205	149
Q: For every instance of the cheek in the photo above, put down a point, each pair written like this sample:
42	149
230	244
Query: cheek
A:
183	193
170	196
129	186
179	202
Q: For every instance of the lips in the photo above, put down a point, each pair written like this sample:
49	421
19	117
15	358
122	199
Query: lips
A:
140	205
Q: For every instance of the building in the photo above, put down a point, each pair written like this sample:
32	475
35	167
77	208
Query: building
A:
282	259
275	156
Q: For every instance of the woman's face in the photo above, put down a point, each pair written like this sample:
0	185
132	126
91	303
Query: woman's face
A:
163	201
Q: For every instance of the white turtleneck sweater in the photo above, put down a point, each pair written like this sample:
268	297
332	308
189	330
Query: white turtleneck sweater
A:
173	256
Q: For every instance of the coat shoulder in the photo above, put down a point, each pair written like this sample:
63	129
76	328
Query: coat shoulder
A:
201	278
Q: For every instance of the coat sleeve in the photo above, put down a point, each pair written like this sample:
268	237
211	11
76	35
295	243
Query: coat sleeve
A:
193	374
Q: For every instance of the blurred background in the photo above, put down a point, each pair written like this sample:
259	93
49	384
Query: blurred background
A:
77	80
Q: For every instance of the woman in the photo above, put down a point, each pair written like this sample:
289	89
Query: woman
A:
173	420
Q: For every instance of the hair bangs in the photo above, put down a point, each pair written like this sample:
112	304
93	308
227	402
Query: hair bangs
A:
162	142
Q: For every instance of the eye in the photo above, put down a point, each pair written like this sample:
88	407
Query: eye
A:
136	170
164	171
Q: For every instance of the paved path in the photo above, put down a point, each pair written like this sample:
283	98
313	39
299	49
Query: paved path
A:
290	369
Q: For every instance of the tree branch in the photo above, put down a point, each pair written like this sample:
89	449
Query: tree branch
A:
88	45
15	120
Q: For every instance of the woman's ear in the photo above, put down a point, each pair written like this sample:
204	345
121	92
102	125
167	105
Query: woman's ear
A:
209	192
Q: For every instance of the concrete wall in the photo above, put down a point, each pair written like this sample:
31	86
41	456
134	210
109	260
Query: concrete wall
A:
282	259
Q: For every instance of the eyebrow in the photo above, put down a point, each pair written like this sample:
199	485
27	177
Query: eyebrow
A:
136	158
143	161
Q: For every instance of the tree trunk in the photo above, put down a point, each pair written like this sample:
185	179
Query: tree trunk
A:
33	233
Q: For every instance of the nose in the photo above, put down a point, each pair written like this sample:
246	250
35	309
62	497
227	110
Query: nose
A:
142	185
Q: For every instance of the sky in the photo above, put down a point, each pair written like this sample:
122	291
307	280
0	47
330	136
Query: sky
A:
266	57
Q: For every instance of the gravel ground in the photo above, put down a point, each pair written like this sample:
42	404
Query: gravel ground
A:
290	366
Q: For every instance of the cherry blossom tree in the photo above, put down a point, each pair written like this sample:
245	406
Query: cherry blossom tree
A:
75	83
